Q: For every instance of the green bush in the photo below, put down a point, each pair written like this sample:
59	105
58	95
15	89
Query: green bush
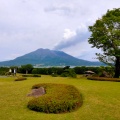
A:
104	79
65	74
54	75
3	70
20	79
69	73
59	98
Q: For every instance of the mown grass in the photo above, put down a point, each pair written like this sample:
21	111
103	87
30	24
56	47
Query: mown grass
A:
101	99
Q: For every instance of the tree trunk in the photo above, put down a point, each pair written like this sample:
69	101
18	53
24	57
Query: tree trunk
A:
117	67
26	71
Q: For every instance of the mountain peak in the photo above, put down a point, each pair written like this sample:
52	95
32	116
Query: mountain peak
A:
48	57
42	49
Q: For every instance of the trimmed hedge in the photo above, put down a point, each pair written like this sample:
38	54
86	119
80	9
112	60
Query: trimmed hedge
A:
31	75
104	79
59	98
20	79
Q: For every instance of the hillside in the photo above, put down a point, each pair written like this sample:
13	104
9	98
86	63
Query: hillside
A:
48	57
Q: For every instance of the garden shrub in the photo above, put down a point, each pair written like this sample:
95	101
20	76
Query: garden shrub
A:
20	79
31	75
59	98
3	70
54	75
69	73
65	74
104	79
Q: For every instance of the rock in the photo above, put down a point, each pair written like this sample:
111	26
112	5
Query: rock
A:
37	92
106	74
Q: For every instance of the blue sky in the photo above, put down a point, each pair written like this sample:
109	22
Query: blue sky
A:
27	25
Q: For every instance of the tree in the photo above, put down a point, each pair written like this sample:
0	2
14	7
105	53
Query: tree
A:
27	68
105	35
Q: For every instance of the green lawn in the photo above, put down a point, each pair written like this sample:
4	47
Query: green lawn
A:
101	99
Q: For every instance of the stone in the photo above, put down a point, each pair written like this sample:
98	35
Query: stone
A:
37	92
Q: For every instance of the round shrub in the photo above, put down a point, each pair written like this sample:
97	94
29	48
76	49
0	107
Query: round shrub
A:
59	98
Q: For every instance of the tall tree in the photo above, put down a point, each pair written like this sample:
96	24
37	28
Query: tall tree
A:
27	68
105	35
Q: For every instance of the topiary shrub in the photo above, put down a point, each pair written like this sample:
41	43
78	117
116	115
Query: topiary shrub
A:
104	79
20	79
59	98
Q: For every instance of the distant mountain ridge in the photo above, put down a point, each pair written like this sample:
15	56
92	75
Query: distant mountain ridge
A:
48	57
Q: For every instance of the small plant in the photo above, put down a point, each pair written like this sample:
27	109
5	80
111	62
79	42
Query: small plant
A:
59	98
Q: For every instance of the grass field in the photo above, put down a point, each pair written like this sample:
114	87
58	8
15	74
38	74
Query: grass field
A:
101	99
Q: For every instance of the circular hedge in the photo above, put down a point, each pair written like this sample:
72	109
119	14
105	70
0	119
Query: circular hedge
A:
59	98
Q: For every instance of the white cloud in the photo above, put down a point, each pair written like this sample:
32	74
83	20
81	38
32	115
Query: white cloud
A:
26	25
61	9
68	34
72	38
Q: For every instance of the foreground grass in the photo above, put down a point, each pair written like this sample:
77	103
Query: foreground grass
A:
101	99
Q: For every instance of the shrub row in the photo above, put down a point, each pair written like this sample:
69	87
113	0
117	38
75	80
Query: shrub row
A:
20	79
31	75
104	79
59	98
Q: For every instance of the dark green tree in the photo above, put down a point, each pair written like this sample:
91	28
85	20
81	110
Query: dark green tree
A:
105	35
27	68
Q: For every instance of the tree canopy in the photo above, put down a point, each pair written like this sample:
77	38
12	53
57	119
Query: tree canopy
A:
27	67
105	35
